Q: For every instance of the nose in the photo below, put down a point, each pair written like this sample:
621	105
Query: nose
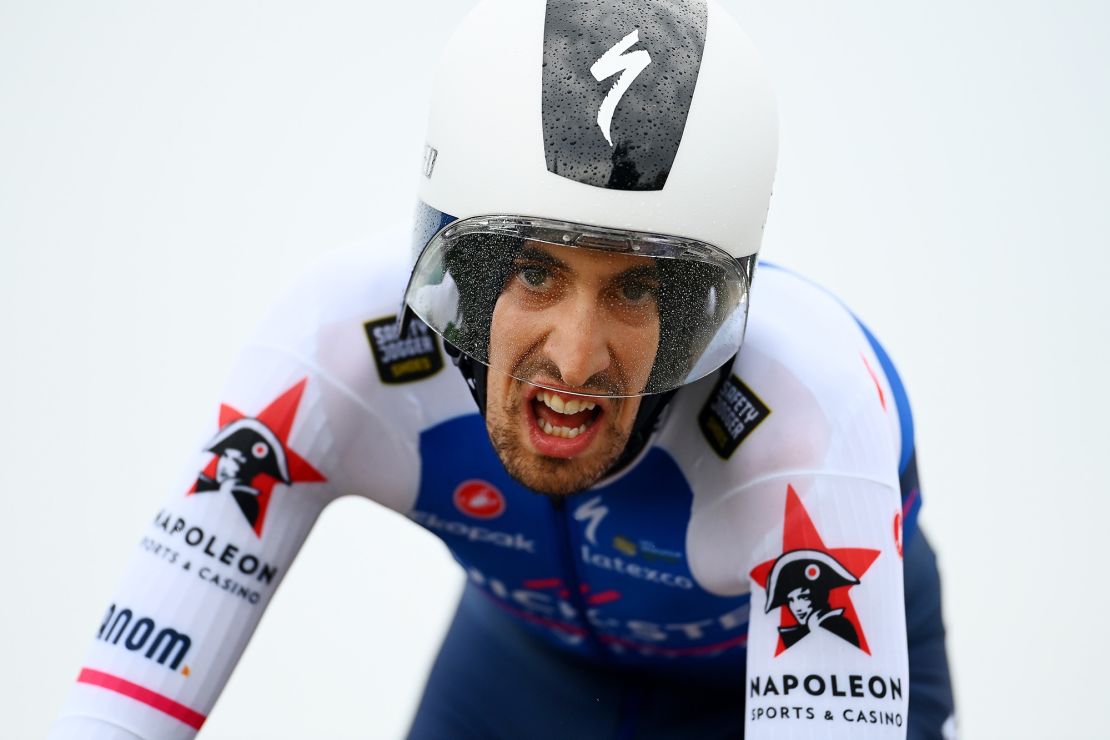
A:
578	344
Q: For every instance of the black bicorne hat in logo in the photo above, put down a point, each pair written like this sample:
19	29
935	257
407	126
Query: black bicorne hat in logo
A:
618	78
808	576
246	449
262	452
812	569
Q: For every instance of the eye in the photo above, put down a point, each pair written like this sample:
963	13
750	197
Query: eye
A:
636	291
535	276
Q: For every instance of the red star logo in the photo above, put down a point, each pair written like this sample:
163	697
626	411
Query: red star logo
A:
277	420
799	533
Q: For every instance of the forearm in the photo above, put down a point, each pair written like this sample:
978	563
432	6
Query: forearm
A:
827	638
208	561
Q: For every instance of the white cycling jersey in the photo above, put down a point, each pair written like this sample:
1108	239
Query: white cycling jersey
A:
760	530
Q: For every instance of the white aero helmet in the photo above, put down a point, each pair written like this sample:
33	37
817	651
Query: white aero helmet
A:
644	128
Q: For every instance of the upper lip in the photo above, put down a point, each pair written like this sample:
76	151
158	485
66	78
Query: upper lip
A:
562	390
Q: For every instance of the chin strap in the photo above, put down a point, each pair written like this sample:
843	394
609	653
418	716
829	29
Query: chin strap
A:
647	421
643	427
474	372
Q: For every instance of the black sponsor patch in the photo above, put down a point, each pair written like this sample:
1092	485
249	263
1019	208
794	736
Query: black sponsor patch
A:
415	357
730	415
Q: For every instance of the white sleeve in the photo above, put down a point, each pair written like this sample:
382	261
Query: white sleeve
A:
299	423
209	560
827	637
86	728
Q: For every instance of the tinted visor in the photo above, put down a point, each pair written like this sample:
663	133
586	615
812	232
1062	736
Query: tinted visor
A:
598	311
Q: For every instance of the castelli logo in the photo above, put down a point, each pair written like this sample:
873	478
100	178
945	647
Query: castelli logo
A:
479	499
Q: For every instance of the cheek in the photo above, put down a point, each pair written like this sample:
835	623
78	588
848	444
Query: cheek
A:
627	416
636	346
510	333
498	393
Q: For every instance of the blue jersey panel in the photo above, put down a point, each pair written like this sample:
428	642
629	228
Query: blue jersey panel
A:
604	572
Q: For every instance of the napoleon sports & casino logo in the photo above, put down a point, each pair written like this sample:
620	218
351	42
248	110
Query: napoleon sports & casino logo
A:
251	455
809	582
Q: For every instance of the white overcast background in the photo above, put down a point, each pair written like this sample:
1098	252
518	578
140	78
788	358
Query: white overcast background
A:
167	170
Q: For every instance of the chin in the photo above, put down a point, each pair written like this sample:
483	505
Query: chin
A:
552	475
556	467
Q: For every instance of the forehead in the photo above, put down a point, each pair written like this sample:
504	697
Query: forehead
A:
585	262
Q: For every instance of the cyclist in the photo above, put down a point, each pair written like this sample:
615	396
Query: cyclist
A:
664	534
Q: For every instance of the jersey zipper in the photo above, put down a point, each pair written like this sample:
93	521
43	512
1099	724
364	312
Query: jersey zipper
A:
573	583
632	695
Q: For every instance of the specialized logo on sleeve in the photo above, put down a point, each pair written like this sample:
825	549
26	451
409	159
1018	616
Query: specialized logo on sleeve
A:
732	412
479	499
415	357
251	456
809	582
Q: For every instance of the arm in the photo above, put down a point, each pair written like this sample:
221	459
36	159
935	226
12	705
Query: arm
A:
209	560
827	652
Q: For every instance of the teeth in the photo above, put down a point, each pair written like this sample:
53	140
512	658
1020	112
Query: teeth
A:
564	432
554	402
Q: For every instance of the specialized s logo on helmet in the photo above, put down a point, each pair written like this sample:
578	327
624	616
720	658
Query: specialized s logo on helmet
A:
809	582
252	456
624	136
630	66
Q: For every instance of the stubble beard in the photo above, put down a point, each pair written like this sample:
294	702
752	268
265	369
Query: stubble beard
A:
552	475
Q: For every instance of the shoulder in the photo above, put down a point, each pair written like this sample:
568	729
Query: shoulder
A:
374	393
361	279
806	392
803	341
805	405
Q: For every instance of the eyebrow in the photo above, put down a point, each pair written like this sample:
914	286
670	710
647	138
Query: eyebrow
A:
538	255
535	254
640	271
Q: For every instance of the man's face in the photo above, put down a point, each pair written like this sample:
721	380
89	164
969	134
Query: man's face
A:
801	605
228	465
582	322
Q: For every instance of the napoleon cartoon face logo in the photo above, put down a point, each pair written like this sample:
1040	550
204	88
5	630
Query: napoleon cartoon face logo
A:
809	583
251	456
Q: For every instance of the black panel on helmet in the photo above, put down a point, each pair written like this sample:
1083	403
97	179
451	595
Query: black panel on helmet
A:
618	78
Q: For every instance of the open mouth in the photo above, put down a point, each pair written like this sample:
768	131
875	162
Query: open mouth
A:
562	424
559	416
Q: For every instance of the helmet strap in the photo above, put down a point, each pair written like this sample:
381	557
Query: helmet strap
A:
647	421
474	373
643	427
